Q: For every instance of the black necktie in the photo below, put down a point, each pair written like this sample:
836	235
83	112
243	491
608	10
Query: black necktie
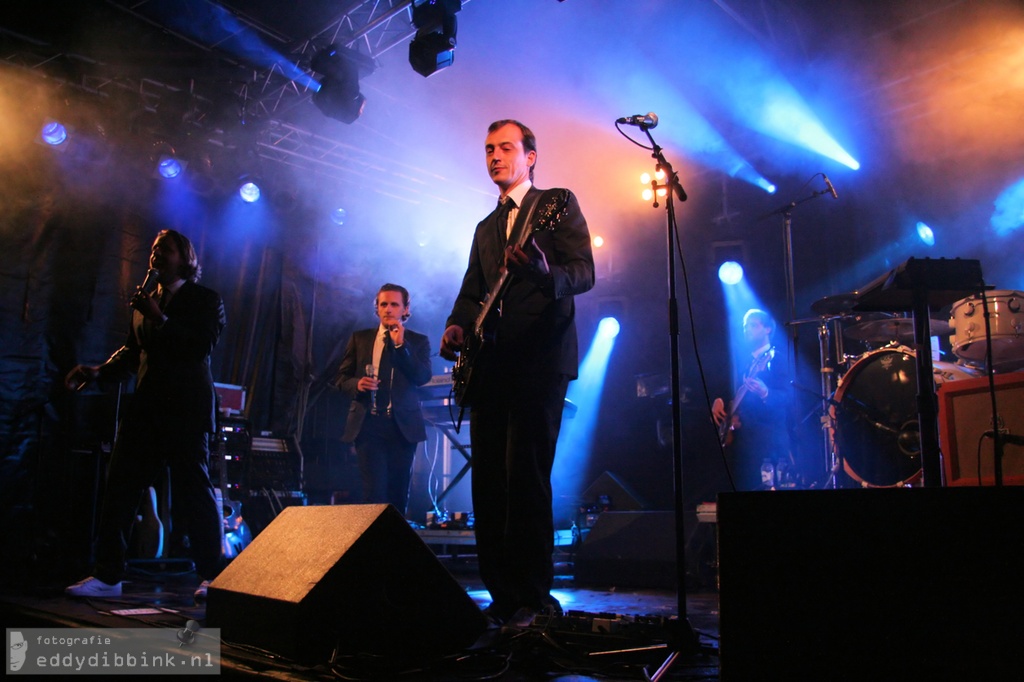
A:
384	376
501	217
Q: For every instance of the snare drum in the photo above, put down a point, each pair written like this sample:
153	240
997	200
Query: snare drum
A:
875	416
1006	320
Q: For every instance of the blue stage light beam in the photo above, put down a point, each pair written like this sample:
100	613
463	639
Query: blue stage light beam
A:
687	129
1009	209
577	436
773	107
214	25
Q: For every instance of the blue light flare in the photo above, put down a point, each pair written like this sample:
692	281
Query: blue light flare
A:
1009	209
169	167
250	192
730	272
926	233
54	133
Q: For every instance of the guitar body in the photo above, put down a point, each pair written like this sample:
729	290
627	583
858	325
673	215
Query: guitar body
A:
732	421
478	348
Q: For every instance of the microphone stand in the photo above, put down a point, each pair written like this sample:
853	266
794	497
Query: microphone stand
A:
685	639
786	211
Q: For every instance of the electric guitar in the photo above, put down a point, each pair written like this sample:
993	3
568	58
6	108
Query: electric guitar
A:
725	429
478	344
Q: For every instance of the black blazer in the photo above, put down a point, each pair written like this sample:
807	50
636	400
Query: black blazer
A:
412	369
537	328
172	362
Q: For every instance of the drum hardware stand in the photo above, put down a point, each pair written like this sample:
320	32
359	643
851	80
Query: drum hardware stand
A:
685	641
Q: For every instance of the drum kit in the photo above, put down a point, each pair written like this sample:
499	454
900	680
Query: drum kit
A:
870	419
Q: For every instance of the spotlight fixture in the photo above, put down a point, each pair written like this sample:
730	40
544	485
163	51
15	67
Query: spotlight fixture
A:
249	191
53	133
433	48
169	167
338	95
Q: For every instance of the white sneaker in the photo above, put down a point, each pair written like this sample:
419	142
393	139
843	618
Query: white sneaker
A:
92	587
200	594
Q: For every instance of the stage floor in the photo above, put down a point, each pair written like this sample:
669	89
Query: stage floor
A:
606	633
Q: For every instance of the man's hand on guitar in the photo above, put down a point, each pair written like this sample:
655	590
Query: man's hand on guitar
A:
527	262
718	412
451	342
757	387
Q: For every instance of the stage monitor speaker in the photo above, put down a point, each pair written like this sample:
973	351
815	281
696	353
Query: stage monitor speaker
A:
629	549
620	498
355	578
965	415
922	583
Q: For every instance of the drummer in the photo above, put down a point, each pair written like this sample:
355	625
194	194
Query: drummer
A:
758	428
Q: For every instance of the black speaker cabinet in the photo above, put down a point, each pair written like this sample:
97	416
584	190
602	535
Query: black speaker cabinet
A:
629	549
923	583
355	577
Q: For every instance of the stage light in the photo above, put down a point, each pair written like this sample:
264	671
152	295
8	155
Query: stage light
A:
598	242
926	234
608	328
730	272
54	133
647	194
433	48
338	95
249	191
169	167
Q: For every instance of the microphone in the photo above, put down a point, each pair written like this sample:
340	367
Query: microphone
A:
371	372
148	284
829	187
1006	437
648	120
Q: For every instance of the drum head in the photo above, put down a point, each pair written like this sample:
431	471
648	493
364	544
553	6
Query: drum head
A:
876	419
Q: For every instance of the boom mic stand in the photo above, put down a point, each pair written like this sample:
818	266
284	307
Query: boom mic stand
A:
786	211
684	639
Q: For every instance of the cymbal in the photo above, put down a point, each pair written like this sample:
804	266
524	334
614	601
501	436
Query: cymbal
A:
896	329
836	304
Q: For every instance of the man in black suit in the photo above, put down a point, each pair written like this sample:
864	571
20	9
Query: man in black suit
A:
758	429
169	419
385	421
516	416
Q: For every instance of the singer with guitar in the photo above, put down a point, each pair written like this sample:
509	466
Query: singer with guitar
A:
529	258
754	425
381	370
167	423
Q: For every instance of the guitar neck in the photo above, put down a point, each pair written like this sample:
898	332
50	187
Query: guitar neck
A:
485	311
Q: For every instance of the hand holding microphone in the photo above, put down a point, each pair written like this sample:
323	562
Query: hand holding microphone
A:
141	299
370	383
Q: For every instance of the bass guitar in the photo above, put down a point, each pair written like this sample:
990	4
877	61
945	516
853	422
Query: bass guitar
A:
725	429
478	344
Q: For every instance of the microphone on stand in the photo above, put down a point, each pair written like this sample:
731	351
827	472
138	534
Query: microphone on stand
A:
648	120
829	187
371	372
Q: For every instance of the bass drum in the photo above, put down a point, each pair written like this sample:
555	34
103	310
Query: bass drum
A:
875	417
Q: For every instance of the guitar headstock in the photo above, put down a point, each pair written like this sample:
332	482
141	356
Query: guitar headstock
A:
553	211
